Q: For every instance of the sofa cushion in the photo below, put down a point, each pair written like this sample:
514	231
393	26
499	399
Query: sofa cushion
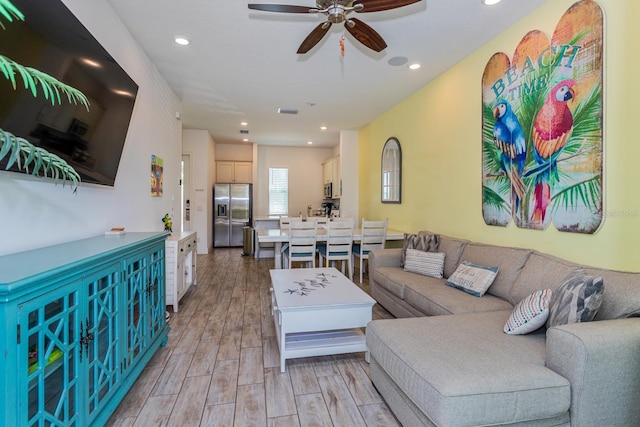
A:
508	260
433	298
463	370
452	249
579	299
472	278
529	314
426	263
541	271
422	242
621	294
394	279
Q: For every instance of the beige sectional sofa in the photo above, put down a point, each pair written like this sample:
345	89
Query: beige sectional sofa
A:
445	360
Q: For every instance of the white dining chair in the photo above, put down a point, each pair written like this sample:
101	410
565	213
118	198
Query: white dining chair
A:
285	221
320	220
374	234
302	243
338	245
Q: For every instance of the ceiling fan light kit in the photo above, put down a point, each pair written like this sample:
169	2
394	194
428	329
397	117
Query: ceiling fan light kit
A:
336	12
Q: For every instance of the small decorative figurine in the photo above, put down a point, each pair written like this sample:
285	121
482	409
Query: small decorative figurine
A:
168	225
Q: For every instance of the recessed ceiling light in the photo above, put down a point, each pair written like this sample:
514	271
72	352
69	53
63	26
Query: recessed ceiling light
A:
310	142
245	140
243	123
323	128
414	66
490	2
183	41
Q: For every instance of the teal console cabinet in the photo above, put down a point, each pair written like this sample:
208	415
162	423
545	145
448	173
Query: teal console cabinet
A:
78	323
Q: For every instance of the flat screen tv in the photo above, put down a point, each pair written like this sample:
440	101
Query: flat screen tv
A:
52	40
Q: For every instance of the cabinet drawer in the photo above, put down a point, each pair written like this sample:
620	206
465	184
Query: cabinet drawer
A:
186	246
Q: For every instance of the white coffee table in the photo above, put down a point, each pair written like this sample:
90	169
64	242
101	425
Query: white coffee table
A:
318	311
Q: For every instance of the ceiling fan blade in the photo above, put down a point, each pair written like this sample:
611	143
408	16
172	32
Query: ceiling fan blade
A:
380	5
314	37
284	8
365	34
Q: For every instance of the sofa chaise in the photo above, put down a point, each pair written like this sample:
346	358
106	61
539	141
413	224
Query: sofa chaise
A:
446	360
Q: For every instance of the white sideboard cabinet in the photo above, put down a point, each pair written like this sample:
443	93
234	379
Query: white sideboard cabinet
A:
181	260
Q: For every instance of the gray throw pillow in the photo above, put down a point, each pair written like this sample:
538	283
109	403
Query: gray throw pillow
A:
421	242
472	278
579	299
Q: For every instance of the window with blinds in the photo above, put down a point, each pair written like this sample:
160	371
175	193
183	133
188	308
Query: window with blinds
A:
278	191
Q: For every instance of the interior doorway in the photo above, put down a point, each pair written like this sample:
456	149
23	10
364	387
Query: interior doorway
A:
185	192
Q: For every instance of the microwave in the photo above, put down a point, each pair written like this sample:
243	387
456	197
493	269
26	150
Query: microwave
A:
328	191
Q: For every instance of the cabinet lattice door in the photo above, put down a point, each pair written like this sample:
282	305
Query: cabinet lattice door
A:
49	352
100	352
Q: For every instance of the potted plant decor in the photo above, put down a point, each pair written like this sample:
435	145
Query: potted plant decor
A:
20	152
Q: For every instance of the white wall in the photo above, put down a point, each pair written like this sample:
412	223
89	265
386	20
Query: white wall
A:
234	152
305	177
349	174
200	145
35	212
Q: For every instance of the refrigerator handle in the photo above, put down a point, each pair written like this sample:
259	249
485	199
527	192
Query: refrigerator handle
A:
222	210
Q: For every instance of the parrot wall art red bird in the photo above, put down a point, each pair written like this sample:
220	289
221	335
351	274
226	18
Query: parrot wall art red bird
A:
551	130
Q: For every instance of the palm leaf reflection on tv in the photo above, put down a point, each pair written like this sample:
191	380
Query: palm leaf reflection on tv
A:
51	39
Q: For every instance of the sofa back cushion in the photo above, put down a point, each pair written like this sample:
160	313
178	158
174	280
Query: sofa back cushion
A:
621	297
541	271
508	260
452	249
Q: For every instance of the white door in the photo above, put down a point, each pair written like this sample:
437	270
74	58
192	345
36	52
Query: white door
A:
185	191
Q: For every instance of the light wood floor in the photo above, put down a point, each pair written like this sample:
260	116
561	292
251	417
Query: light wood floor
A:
221	363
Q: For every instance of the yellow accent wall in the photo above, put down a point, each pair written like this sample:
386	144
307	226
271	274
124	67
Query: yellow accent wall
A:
439	128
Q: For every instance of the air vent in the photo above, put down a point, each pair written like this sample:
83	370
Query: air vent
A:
244	131
287	111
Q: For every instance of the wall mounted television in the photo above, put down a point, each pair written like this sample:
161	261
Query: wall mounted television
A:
52	40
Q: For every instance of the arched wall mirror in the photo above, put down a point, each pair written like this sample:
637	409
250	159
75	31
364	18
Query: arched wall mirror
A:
392	171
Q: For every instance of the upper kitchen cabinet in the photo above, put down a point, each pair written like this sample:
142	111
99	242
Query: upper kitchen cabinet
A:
234	172
326	172
331	175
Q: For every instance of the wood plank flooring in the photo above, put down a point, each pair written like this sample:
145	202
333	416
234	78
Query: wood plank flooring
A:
221	364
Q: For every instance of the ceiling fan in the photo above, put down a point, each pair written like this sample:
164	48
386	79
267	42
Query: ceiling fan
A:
336	12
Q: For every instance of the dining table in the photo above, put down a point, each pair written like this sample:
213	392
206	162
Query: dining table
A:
279	237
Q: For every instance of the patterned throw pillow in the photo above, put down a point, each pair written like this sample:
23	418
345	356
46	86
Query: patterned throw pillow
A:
472	278
530	314
579	299
423	242
426	263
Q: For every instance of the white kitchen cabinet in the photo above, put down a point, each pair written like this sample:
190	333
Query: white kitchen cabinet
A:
326	172
335	178
181	263
331	175
228	172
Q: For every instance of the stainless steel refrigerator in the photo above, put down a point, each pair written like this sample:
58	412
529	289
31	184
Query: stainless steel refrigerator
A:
232	210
